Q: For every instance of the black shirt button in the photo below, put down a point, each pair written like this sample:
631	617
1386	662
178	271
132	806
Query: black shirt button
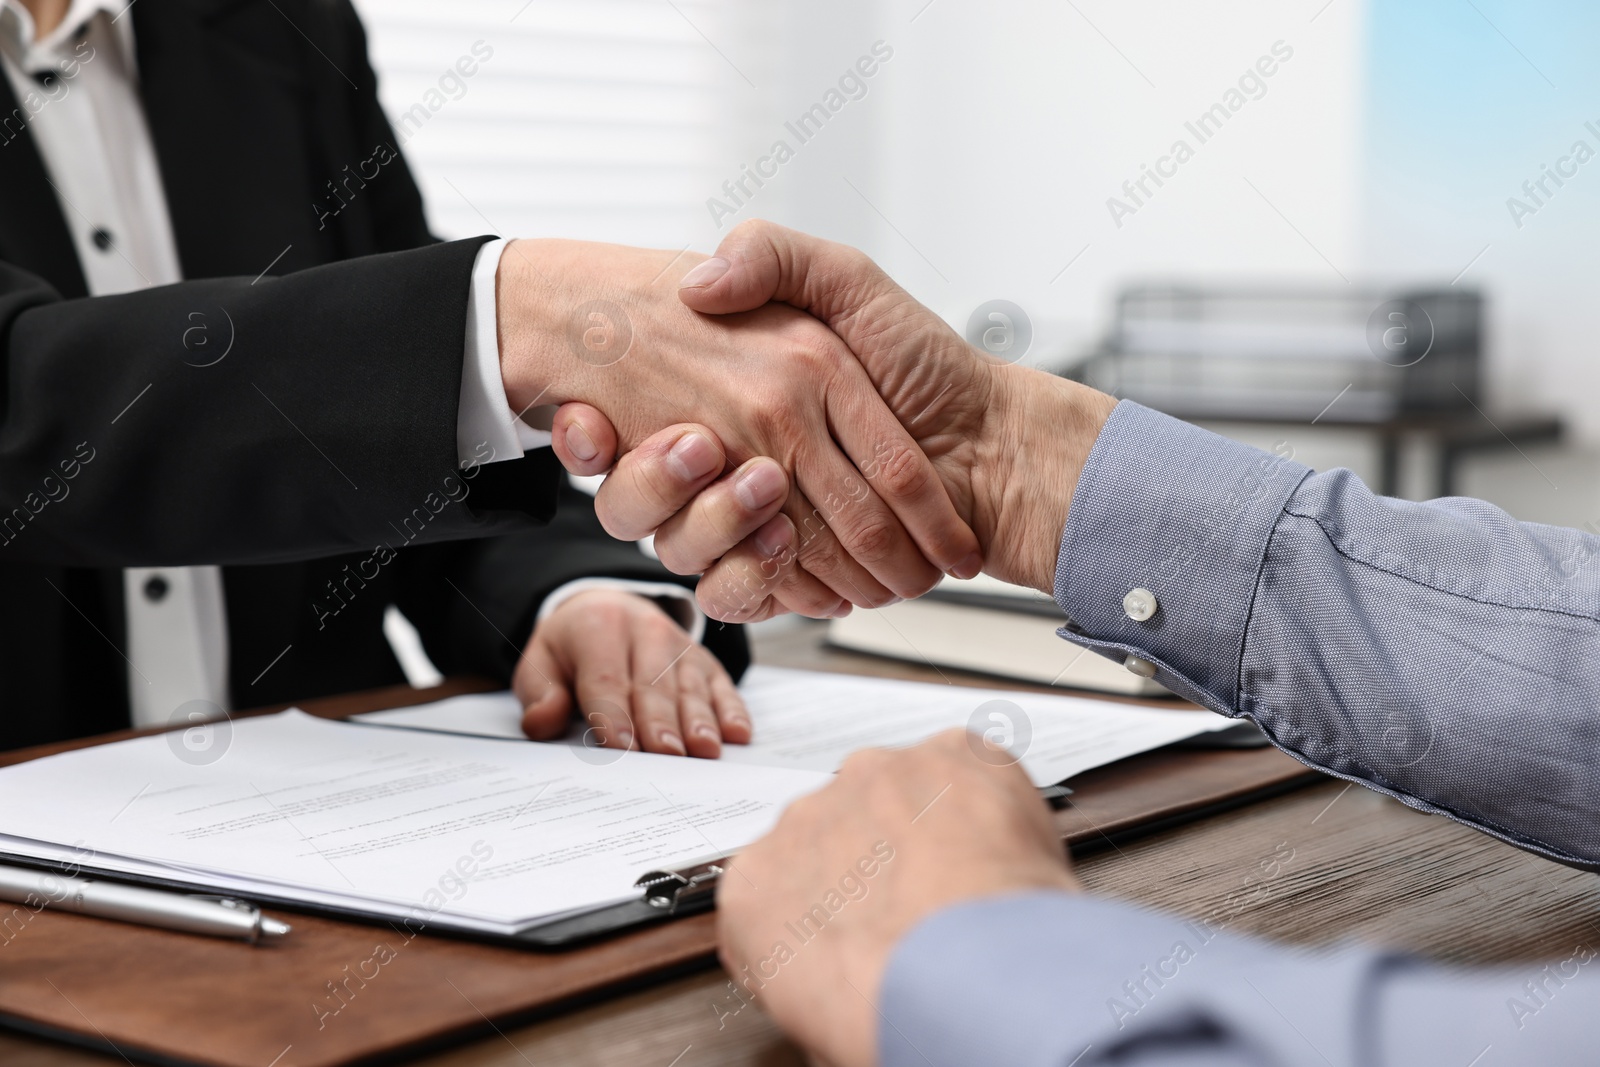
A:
155	589
46	78
101	238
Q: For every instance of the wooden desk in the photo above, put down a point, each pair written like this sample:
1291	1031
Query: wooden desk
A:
1362	866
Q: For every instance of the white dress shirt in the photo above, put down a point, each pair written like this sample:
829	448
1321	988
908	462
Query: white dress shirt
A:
79	87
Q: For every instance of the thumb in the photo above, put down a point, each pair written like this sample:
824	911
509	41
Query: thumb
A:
542	686
761	261
583	439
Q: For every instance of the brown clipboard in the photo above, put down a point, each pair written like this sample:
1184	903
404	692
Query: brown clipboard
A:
338	992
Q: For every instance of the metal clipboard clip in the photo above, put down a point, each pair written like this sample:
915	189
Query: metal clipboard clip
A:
682	892
666	895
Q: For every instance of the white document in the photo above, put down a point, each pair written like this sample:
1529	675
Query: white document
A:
810	720
441	829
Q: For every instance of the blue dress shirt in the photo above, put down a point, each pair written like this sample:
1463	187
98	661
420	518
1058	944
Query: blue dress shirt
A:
1441	653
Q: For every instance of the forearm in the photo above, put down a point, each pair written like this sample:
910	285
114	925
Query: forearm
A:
1440	652
317	416
1052	980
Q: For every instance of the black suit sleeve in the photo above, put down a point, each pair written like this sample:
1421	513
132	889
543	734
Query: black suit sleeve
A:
474	604
307	416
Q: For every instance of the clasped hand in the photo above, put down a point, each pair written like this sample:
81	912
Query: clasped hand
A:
867	517
952	438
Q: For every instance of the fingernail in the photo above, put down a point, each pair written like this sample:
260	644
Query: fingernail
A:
773	538
842	610
580	444
759	486
970	567
707	731
693	457
673	743
705	274
624	738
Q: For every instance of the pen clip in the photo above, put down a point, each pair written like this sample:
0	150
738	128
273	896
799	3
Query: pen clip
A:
231	903
674	891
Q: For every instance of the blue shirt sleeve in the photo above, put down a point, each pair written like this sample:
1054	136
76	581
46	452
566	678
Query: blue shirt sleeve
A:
1059	980
1442	652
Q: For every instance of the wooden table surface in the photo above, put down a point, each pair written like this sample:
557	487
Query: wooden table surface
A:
1356	865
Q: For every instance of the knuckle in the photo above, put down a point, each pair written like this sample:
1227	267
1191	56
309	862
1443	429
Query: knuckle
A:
752	230
653	484
904	473
602	616
600	681
770	408
676	557
865	763
811	605
822	558
805	597
730	593
623	503
817	351
811	533
874	540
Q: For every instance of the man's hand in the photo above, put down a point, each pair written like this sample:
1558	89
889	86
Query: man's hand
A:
637	676
602	324
1007	442
808	916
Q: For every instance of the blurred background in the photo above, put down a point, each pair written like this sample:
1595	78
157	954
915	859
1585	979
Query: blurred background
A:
1217	208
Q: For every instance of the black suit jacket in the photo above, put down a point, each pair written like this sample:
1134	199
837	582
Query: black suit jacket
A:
317	459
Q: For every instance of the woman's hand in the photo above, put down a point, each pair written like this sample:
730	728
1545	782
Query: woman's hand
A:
634	673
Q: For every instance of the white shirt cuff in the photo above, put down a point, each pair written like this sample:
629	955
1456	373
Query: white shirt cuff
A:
487	430
675	600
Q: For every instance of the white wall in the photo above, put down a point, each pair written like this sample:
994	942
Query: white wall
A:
981	154
989	144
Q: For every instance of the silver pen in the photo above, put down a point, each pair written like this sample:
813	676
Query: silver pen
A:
213	916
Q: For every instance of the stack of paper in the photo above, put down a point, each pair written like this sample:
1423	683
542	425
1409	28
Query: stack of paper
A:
485	834
429	829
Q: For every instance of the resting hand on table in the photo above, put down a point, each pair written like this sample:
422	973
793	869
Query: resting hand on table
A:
638	677
897	836
1006	442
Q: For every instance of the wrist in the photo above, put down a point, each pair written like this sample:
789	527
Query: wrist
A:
1044	427
527	334
568	313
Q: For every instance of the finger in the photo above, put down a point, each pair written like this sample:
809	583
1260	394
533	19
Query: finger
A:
700	731
760	261
656	652
584	440
928	536
743	585
850	540
603	680
541	686
816	577
724	514
732	713
656	480
768	579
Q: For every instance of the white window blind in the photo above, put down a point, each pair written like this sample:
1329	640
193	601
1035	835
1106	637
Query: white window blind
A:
596	119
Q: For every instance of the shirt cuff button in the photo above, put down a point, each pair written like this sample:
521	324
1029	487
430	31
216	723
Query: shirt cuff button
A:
1142	667
1140	604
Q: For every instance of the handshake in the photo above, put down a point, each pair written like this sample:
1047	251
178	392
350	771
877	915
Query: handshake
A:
789	422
